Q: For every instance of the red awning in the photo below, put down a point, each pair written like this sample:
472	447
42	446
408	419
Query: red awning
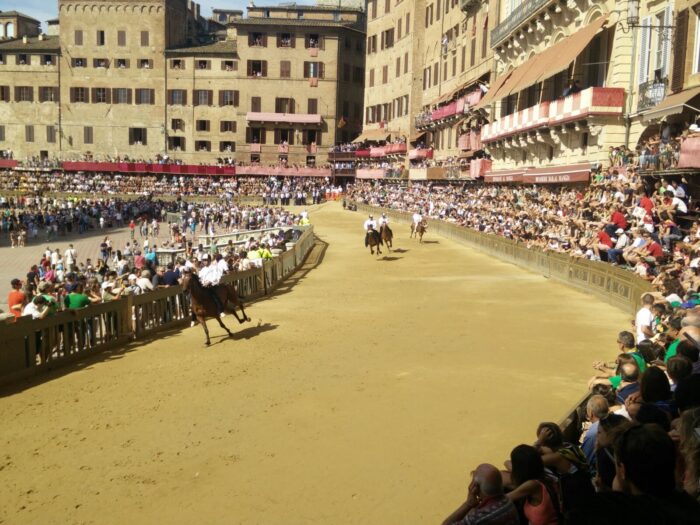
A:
503	176
690	153
558	174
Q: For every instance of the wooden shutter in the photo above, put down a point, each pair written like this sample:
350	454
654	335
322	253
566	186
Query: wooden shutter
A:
108	95
263	135
321	42
264	40
290	137
645	42
78	37
279	40
121	38
312	108
264	68
248	136
277	136
408	23
93	95
210	97
293	39
318	138
666	44
129	96
680	38
235	98
291	105
131	136
320	70
151	96
250	67
251	40
221	97
306	70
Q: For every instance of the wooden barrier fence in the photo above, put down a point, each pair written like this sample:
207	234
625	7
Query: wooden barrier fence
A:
29	347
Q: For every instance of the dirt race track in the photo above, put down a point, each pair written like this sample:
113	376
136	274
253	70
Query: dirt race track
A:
367	395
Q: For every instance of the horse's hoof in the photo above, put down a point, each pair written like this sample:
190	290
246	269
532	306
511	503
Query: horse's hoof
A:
208	343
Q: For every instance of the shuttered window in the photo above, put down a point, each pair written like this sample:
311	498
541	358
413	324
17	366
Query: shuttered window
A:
88	137
203	97
312	106
51	134
121	96
121	38
256	104
285	69
29	133
644	50
679	50
228	97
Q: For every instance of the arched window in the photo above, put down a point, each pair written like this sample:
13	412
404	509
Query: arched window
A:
2	31
10	30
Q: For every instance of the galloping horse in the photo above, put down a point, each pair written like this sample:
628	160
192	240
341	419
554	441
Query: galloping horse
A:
387	236
374	239
419	230
203	305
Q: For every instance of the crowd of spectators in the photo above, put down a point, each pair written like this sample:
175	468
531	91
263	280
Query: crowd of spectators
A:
636	456
52	283
43	183
653	231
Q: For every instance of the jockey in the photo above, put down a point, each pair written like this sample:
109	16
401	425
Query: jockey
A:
383	220
209	276
370	226
417	219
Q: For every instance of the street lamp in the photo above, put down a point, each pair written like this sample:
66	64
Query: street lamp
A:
632	21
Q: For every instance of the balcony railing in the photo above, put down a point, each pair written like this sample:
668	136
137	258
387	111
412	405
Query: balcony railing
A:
517	17
341	155
420	154
651	93
591	102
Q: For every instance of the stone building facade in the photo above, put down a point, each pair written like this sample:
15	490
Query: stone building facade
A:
152	78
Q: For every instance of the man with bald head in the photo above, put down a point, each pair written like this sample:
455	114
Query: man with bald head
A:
486	503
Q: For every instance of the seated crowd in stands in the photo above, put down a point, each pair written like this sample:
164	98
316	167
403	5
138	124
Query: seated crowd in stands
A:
41	183
650	230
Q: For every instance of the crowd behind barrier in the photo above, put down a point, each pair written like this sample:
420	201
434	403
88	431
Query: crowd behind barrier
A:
42	183
629	452
32	345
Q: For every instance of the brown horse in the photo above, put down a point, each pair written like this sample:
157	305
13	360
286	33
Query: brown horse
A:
203	306
419	230
374	240
387	236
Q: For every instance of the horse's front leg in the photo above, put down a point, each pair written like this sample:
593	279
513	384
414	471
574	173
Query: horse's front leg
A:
203	322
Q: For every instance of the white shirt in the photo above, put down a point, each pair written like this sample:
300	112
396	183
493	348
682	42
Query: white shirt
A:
383	220
209	275
70	255
370	223
644	318
145	284
417	217
622	242
222	265
33	310
679	205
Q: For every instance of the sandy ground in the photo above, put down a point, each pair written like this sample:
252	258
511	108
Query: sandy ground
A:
370	391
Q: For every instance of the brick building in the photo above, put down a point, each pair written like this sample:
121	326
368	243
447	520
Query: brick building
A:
153	77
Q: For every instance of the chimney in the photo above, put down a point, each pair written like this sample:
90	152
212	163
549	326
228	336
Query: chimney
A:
25	40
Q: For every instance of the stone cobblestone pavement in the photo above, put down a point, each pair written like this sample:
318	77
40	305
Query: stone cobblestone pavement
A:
15	262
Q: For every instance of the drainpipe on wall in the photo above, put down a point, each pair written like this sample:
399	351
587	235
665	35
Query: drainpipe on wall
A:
628	118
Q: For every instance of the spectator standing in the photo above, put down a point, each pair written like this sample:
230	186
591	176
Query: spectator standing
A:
16	298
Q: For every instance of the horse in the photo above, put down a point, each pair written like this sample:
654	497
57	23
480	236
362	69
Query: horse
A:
419	230
203	306
374	239
387	236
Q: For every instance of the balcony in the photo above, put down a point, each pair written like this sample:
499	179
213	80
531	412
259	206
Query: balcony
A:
341	155
420	154
591	102
518	17
284	118
651	94
313	82
469	6
255	148
470	141
370	173
283	148
280	171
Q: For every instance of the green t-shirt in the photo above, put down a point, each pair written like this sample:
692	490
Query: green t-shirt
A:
53	305
74	301
615	381
672	350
